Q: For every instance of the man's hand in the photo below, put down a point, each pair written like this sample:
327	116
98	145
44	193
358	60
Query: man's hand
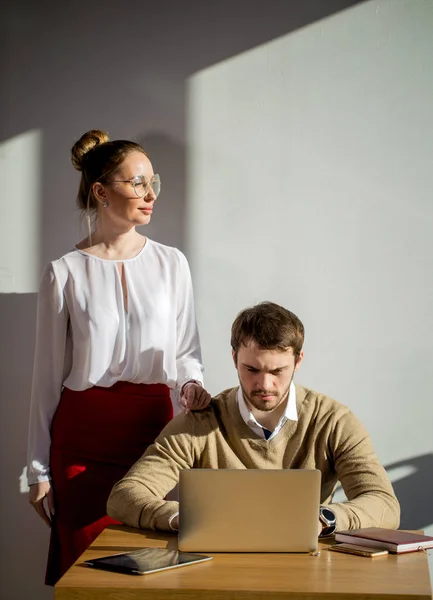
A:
194	397
38	493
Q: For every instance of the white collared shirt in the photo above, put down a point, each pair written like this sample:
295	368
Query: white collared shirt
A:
289	413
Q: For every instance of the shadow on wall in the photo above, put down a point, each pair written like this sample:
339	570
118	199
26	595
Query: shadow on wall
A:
27	537
415	491
168	158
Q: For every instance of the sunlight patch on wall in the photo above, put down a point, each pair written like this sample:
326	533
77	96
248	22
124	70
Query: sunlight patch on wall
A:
20	205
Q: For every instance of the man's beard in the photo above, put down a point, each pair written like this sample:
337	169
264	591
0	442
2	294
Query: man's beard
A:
268	406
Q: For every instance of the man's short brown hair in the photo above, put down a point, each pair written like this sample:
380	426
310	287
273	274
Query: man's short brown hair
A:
270	326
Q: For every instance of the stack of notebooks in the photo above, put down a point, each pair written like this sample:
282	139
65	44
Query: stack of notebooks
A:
389	539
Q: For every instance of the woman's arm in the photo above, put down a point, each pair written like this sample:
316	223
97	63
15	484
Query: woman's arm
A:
51	330
188	355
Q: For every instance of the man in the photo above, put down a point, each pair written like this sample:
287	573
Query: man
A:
267	422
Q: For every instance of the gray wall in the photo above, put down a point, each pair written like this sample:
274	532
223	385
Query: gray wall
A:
68	67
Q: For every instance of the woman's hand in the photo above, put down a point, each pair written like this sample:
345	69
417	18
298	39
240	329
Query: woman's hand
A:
194	397
38	493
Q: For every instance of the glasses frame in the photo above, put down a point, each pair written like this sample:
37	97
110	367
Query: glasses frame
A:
145	181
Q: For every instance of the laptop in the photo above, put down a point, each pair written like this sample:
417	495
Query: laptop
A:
249	510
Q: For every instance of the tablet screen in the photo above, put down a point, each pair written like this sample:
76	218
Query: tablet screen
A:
146	560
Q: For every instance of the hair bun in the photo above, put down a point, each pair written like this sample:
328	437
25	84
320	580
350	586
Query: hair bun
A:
87	142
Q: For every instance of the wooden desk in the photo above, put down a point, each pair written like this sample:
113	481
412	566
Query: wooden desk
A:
247	576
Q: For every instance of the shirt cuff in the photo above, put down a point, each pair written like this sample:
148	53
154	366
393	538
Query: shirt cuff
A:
190	374
37	478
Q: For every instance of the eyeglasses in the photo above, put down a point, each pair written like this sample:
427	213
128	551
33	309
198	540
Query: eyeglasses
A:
142	184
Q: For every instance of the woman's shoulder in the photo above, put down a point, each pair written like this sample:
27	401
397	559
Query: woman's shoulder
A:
61	266
72	257
56	272
169	253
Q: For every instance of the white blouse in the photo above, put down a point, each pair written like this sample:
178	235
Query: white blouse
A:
85	337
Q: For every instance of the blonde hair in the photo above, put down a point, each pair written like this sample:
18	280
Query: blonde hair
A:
97	158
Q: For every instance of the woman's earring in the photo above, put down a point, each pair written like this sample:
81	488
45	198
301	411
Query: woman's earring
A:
105	204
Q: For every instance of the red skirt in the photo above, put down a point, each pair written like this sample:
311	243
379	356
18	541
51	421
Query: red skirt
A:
96	436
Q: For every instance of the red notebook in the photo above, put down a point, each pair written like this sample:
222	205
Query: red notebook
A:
392	540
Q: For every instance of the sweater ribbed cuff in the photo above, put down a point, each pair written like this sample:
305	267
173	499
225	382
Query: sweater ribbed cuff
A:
160	519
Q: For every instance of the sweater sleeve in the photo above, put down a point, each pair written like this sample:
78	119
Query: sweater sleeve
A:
51	329
188	352
138	499
371	501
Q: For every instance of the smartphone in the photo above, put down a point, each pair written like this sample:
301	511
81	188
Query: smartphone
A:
358	550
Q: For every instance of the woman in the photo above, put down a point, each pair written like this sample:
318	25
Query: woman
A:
116	331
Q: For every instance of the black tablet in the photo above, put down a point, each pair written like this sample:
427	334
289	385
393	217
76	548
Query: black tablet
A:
146	560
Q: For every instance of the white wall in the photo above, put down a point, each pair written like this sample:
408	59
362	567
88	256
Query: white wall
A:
310	178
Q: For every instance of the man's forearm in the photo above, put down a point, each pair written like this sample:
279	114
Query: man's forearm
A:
133	504
368	510
371	509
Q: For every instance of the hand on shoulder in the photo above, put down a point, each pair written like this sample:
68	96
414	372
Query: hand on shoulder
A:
194	397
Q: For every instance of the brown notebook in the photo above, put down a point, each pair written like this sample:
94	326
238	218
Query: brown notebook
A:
392	540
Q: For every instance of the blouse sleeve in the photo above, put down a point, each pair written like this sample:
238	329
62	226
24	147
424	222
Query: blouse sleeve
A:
51	330
188	355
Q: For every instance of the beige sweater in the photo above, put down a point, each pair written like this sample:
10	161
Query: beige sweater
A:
327	436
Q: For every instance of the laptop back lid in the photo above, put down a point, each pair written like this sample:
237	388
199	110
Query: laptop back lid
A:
251	510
